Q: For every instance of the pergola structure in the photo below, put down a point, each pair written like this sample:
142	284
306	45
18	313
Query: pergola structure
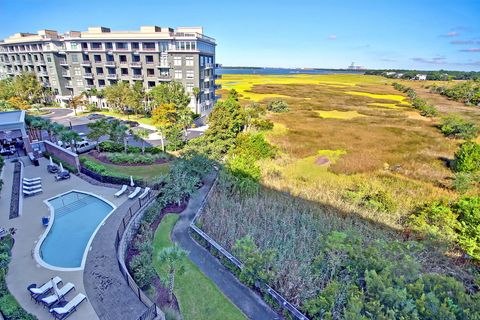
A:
13	133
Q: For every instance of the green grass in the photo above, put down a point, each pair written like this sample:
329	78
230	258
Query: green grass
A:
138	118
148	172
197	295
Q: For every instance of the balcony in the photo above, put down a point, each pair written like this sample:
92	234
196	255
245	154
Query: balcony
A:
208	65
110	64
218	76
206	90
207	78
135	64
66	74
89	86
69	85
29	62
149	63
41	62
164	64
86	63
164	77
123	63
148	49
62	52
63	62
217	87
88	75
112	76
43	73
137	76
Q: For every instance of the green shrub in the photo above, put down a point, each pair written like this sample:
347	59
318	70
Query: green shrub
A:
171	314
454	126
132	158
143	270
467	158
277	105
463	181
110	146
468	210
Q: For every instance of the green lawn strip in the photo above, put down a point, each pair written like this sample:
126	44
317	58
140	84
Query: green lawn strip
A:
197	295
148	172
138	118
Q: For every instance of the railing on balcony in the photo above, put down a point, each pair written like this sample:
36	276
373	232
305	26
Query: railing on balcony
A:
90	86
66	74
207	78
164	64
110	63
123	63
88	75
164	77
112	76
86	63
136	64
148	49
208	65
149	62
63	62
68	85
137	76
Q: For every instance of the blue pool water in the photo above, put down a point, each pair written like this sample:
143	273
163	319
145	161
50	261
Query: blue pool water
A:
77	216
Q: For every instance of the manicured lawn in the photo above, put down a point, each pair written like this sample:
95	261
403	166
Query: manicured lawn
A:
197	296
148	172
138	118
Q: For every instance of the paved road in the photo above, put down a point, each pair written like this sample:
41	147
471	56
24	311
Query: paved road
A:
244	298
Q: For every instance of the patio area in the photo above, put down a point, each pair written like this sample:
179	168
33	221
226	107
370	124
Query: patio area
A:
24	269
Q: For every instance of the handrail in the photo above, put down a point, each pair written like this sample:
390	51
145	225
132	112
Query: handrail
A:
274	294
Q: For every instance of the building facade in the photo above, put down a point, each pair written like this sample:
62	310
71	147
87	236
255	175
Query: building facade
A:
74	62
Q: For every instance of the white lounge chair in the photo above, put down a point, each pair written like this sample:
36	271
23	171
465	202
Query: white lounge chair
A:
69	308
32	179
31	183
34	290
32	192
121	191
134	193
145	193
50	300
30	188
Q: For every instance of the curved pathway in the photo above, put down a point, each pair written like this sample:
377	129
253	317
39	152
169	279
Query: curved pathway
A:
106	288
244	298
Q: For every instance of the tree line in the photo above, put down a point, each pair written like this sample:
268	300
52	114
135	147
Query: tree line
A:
441	75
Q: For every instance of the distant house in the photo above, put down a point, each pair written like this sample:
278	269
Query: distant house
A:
421	77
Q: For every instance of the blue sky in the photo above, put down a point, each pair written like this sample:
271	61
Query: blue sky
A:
421	34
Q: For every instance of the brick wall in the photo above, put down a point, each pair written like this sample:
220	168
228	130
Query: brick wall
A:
63	154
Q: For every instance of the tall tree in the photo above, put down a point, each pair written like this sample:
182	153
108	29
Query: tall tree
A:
118	96
27	87
170	92
140	135
136	99
196	94
71	137
76	102
98	129
164	116
172	261
117	131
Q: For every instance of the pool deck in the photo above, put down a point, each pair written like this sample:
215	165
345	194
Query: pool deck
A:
23	268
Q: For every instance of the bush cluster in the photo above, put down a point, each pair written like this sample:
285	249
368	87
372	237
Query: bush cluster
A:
9	307
277	105
455	222
100	168
467	92
425	109
133	158
456	127
467	158
110	146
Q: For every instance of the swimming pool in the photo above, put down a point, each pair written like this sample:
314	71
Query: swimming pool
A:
75	218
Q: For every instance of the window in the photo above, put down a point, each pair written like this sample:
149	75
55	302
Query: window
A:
123	59
109	45
124	71
149	59
35	57
151	84
96	45
189	61
189	87
99	70
135	58
121	45
177	61
77	71
178	74
150	72
190	74
74	57
135	45
74	45
101	83
202	61
48	59
79	82
97	58
84	45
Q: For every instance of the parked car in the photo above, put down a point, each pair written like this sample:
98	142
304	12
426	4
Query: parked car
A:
95	116
85	146
131	123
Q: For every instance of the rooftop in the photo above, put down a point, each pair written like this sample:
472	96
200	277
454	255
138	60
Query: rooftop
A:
10	117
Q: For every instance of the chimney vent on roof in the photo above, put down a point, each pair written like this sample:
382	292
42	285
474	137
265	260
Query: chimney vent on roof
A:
98	29
149	29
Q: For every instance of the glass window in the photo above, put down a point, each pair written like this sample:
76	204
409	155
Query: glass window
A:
190	74
189	87
189	61
135	45
77	72
178	74
99	70
74	57
177	61
74	45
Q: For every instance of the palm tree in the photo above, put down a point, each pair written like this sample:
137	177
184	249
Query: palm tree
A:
140	135
196	94
172	261
70	136
76	102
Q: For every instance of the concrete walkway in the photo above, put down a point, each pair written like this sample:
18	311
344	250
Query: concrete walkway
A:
244	298
107	289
